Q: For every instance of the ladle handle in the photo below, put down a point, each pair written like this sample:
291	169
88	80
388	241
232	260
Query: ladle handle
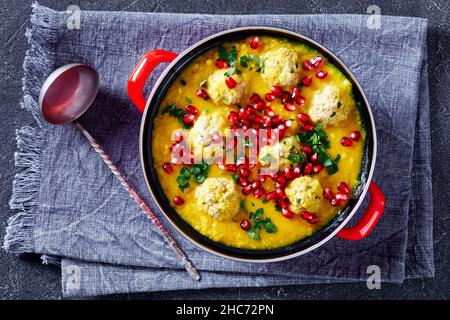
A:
141	203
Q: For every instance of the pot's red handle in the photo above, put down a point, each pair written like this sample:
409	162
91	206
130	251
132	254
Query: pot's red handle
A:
141	73
369	218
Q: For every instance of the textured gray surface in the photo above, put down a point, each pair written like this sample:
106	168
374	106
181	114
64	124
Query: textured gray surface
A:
25	278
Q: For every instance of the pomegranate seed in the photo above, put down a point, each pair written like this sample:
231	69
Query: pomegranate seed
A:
188	119
303	117
254	98
260	105
246	122
276	90
296	171
277	120
178	137
317	168
244	172
254	42
307	66
231	167
343	188
295	93
289	106
285	97
346	142
310	217
191	109
308	168
288	123
258	193
247	189
243	181
221	64
306	149
314	157
262	178
321	74
202	94
270	97
231	83
287	213
256	184
308	127
355	135
300	100
258	120
281	180
327	193
233	117
280	193
306	81
316	61
267	122
288	173
272	196
167	167
245	225
334	202
283	203
341	197
178	200
269	112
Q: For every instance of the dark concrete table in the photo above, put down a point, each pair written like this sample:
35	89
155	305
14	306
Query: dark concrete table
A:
25	277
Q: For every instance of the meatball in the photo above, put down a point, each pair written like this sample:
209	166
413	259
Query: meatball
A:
281	67
326	106
304	192
218	197
279	152
202	135
219	91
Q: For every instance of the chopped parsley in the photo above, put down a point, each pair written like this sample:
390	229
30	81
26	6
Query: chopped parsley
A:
183	82
258	62
175	112
244	61
188	100
230	56
295	156
319	142
259	223
202	83
198	173
235	177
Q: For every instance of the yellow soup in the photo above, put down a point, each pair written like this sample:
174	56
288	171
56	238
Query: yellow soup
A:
318	155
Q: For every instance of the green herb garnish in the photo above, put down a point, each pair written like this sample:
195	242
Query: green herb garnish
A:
183	82
198	173
175	112
319	142
259	223
295	156
244	61
188	100
202	83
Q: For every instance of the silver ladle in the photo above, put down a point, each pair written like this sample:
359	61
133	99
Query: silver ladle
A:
65	95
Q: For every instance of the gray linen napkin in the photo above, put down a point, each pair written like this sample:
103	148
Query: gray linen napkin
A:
70	206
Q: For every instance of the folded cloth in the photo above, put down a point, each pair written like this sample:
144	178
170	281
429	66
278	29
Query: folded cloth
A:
72	210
